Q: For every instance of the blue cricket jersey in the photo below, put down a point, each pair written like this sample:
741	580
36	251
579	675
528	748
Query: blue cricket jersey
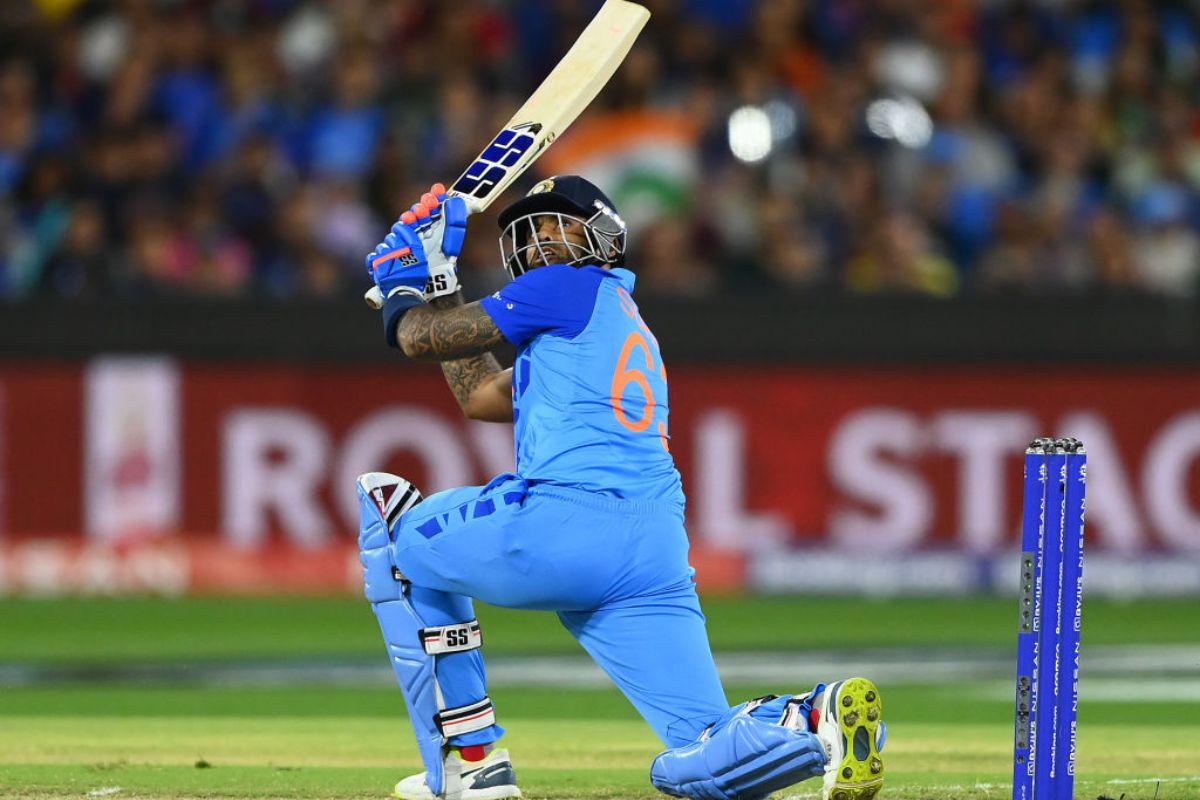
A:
589	387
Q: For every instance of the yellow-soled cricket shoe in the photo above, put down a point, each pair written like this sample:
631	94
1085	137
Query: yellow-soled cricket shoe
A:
852	730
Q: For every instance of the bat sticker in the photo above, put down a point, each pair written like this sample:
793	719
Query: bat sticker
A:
506	151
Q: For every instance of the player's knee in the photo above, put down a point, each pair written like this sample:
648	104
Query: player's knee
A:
682	732
383	498
381	580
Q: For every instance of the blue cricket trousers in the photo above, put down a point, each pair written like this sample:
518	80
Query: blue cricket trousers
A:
615	571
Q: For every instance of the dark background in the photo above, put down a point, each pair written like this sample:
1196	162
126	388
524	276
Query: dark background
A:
771	328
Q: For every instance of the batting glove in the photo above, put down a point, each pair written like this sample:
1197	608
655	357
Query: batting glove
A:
399	263
400	269
443	235
418	260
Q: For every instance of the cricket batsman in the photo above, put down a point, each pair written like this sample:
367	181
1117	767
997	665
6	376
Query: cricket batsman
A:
589	525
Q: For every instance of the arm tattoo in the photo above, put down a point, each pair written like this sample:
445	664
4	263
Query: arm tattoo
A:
463	374
444	333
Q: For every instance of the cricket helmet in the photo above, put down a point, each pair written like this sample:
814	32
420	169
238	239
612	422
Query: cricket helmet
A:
570	197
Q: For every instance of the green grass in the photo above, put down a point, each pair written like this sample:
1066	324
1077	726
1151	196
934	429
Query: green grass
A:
341	743
92	630
947	741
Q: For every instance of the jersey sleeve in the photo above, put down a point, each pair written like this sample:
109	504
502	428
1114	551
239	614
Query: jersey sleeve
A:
557	299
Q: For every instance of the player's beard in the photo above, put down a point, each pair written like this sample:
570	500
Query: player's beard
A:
553	252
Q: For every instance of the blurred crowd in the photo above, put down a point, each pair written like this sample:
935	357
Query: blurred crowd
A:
261	147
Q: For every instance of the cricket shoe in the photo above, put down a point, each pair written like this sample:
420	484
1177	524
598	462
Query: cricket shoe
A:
493	778
852	730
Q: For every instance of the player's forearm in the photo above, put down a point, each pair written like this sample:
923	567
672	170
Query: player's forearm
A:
465	375
447	330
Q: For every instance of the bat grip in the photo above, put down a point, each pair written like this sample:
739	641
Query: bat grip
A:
374	298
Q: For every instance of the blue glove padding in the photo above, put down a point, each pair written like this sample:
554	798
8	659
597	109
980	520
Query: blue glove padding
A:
398	263
455	210
443	235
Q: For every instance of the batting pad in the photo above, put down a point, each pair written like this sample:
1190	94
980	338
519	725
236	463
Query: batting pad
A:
415	647
739	758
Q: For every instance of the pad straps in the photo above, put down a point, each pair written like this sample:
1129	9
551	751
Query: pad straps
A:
465	719
794	714
457	638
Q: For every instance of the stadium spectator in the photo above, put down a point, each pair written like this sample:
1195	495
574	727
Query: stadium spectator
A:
894	146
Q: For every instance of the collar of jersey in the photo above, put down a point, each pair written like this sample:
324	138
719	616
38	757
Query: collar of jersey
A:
627	278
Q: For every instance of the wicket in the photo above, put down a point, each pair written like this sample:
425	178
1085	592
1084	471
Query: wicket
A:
1051	601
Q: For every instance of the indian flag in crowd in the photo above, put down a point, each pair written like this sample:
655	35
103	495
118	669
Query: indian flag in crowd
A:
646	161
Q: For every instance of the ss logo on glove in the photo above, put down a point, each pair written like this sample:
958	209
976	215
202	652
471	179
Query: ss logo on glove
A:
437	285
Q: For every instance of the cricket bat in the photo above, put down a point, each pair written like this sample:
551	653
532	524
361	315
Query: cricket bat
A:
561	98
